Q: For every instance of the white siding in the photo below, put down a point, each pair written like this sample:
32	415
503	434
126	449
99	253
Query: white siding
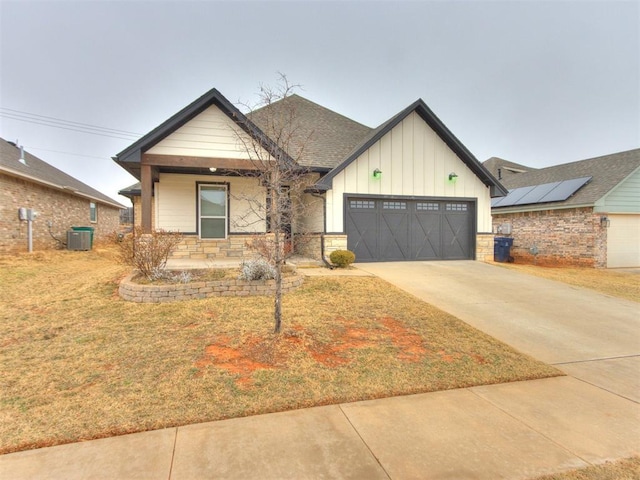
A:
211	134
413	161
623	241
176	202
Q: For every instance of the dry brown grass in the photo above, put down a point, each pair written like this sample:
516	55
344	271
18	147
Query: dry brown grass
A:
80	363
617	283
626	469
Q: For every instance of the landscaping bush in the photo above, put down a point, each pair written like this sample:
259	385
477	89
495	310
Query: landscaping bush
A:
258	269
148	252
342	258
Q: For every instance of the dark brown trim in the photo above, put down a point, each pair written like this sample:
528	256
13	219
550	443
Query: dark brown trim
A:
146	182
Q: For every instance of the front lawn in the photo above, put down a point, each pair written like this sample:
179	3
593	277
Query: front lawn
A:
617	283
80	363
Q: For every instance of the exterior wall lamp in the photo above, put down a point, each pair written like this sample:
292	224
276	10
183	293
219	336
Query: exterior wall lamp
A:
212	169
453	176
604	221
377	173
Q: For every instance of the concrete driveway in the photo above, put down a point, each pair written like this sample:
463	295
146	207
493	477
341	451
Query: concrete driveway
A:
591	336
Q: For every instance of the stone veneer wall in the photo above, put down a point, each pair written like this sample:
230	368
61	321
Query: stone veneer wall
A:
333	242
62	209
310	245
484	247
568	237
233	248
134	292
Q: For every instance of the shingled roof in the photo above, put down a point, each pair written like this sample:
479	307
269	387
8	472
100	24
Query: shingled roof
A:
503	169
39	171
607	172
327	136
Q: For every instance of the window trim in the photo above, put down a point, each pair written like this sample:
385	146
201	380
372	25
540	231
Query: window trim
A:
199	186
93	212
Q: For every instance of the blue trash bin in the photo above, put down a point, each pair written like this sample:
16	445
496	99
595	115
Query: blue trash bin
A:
502	249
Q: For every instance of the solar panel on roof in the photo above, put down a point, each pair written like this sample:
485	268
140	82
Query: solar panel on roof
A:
564	190
543	193
537	193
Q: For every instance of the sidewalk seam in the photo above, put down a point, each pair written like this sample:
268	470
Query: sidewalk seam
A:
522	422
619	357
363	442
603	389
173	454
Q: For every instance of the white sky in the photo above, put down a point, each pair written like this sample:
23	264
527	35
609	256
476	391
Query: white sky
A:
537	83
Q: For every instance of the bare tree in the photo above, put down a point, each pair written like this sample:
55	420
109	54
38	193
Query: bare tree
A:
276	151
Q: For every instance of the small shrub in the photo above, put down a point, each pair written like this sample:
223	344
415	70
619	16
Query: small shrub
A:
342	258
265	246
148	253
258	269
182	277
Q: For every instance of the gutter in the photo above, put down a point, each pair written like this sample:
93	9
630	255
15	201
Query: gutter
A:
324	218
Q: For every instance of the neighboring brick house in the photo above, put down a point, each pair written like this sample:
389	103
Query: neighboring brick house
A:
596	225
61	202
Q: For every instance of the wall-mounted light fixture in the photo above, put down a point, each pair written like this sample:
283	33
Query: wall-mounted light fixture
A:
377	173
604	221
212	169
453	176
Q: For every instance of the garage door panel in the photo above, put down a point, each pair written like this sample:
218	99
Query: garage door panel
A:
388	229
394	235
425	236
455	237
623	241
363	238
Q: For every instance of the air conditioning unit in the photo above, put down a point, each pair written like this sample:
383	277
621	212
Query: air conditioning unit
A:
78	240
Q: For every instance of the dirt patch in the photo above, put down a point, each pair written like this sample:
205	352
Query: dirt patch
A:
346	337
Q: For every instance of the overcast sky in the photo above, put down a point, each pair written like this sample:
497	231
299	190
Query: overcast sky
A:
535	82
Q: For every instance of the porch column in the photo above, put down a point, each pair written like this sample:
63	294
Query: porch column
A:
146	186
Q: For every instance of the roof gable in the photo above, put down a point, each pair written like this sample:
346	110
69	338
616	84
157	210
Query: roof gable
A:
39	171
438	127
130	157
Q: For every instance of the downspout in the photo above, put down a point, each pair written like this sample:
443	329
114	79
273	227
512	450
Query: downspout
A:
324	229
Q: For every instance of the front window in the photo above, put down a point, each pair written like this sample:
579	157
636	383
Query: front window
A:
93	212
213	211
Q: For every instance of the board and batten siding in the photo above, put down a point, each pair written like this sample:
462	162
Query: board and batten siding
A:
176	202
414	161
211	134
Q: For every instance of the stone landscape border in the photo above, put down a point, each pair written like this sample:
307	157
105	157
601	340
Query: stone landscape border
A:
174	292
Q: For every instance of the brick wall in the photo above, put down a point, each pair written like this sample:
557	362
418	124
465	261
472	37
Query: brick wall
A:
563	237
62	209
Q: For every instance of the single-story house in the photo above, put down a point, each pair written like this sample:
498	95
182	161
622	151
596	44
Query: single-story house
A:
59	201
406	190
584	213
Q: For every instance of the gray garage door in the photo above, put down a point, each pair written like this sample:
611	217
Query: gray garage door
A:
392	229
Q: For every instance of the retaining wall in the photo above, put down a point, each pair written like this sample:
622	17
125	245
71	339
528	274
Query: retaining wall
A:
135	292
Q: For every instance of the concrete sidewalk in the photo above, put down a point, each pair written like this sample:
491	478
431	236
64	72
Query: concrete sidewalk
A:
511	431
